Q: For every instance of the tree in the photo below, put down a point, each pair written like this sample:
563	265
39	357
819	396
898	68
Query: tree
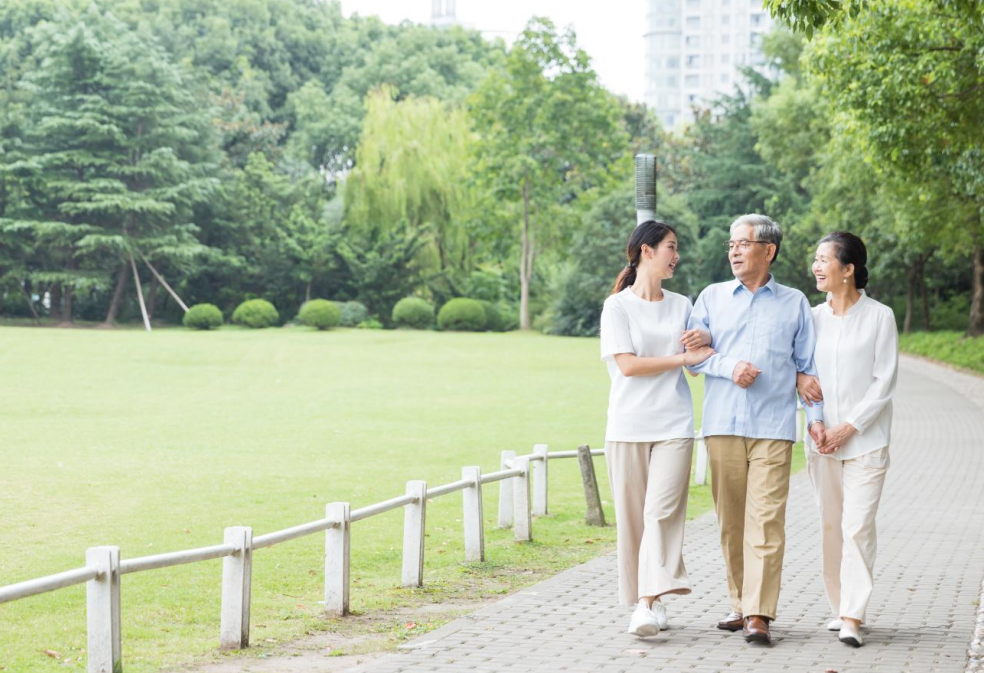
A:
413	164
549	131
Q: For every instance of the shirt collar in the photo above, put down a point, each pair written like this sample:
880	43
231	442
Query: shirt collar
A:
851	311
771	284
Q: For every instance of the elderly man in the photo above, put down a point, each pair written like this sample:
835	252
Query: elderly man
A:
763	334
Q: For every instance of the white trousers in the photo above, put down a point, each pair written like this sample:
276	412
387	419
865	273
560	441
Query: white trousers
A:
650	482
848	493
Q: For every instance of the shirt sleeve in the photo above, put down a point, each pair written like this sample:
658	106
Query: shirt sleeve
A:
805	341
885	374
615	335
719	364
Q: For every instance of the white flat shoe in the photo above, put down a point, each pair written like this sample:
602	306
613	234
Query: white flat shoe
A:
644	622
835	624
850	637
660	611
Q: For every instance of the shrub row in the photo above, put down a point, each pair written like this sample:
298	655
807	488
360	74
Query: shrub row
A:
460	314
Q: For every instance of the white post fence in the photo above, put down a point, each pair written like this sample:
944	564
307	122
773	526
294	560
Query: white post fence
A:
518	503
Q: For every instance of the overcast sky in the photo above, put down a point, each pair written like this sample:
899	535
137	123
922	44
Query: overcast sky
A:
611	32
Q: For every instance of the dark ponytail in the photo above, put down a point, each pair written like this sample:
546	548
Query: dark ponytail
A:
850	250
649	233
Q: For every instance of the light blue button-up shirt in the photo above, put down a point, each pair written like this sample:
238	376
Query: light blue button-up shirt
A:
772	329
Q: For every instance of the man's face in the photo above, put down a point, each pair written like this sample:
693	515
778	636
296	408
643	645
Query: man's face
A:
749	258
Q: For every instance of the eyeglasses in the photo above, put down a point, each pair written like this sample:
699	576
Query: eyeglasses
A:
743	244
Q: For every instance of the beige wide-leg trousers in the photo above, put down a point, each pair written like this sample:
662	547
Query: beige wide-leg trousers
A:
848	493
650	482
750	485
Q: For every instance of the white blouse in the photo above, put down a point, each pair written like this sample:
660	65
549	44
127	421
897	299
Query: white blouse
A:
857	358
646	408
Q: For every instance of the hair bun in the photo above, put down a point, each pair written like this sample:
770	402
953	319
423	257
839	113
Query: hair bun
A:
860	277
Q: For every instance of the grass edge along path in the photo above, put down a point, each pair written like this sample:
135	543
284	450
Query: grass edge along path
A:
953	349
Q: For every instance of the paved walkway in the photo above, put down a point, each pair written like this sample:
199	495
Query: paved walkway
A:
922	615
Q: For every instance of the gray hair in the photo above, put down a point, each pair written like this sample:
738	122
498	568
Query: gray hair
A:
765	229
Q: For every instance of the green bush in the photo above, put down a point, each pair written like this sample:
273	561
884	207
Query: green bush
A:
493	319
256	313
354	313
202	316
462	315
320	313
370	323
414	313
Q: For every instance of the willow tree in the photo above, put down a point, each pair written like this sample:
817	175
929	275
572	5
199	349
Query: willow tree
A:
412	164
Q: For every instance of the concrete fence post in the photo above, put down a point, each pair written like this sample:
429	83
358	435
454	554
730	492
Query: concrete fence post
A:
337	546
237	571
102	610
595	515
506	491
522	517
414	518
472	514
540	482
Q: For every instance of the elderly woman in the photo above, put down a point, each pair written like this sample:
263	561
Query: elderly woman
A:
857	359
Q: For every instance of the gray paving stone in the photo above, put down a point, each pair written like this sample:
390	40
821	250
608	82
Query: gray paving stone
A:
922	614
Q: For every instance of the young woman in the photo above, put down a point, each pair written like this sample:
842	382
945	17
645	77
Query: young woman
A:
650	435
857	360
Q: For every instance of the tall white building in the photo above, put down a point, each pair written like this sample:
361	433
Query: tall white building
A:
443	13
693	50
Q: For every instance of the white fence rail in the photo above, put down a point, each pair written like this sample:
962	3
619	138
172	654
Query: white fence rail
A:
518	503
103	569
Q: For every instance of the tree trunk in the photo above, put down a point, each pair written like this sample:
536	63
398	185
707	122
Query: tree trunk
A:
976	326
921	275
910	291
307	292
30	303
152	299
55	297
114	305
69	296
524	266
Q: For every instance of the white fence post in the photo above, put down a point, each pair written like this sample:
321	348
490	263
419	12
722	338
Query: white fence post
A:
700	474
540	480
337	545
237	571
506	491
472	514
414	517
523	521
102	609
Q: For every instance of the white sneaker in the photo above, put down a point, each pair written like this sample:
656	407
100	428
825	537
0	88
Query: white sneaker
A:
835	624
643	623
849	636
660	611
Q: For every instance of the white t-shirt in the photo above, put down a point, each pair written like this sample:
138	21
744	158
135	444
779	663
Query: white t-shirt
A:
646	408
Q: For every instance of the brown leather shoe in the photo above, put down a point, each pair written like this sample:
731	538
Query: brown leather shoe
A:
757	630
733	622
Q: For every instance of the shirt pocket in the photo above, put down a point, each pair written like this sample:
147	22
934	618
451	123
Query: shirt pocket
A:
777	337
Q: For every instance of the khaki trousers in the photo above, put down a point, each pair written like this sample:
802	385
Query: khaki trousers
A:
848	493
750	485
650	482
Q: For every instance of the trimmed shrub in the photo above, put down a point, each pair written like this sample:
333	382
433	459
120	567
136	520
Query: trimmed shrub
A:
202	316
493	319
320	313
414	313
354	313
370	323
256	313
462	315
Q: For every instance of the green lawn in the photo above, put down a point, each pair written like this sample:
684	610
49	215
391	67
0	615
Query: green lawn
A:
156	442
950	347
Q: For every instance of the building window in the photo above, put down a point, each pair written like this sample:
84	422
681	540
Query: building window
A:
692	99
725	19
693	62
693	81
666	42
692	41
758	19
755	40
670	120
672	62
725	39
725	58
693	23
724	78
693	5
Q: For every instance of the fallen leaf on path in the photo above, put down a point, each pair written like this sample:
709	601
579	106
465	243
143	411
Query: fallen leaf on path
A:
52	654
